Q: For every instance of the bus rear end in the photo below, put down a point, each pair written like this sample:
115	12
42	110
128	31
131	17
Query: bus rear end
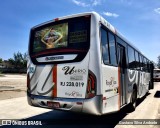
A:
58	75
156	75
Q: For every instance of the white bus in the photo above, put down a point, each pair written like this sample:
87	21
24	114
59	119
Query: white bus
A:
156	75
81	63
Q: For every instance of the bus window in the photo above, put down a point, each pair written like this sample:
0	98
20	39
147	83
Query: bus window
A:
148	66
145	64
141	61
137	60
104	42
112	49
131	58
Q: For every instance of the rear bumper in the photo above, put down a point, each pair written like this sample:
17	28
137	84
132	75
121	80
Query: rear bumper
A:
90	106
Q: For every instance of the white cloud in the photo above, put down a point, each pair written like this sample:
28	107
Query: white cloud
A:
79	3
157	10
96	2
110	14
90	3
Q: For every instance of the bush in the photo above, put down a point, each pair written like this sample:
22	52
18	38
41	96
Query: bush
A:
13	70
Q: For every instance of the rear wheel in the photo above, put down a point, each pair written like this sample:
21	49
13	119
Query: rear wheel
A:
149	87
133	103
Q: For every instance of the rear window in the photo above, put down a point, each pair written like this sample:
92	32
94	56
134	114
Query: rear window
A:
51	37
61	41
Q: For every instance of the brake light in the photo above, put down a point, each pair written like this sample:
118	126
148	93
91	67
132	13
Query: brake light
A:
91	87
28	82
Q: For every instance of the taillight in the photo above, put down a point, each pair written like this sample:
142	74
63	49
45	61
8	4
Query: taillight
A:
28	82
91	87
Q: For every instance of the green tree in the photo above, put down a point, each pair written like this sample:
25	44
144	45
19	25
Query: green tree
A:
24	59
158	62
1	60
11	61
19	60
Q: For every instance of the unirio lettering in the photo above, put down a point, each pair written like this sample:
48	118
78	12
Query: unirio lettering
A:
68	70
71	70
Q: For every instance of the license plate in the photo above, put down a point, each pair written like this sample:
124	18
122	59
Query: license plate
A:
53	104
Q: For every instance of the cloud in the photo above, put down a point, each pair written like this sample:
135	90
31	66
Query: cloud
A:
157	10
79	3
96	2
91	3
109	14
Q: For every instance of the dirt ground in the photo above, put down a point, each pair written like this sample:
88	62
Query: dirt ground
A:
12	86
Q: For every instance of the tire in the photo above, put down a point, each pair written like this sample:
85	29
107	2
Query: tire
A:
149	88
133	103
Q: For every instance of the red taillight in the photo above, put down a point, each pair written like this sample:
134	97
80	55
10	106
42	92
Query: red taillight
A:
28	82
79	103
91	87
104	98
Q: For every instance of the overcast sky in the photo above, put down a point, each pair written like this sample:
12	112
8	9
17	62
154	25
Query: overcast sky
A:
137	20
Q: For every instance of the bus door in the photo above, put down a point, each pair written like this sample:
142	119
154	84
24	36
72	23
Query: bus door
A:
122	65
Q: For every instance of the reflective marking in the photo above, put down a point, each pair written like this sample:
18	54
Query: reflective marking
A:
55	80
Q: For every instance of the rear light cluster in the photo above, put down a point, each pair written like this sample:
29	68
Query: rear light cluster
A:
91	87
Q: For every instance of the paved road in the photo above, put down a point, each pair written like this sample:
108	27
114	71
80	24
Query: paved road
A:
13	82
147	108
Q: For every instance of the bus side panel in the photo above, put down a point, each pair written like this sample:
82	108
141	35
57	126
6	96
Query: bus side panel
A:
110	89
95	52
143	85
133	80
139	79
146	79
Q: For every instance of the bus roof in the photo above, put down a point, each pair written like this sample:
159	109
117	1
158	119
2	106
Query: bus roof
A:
101	19
114	30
